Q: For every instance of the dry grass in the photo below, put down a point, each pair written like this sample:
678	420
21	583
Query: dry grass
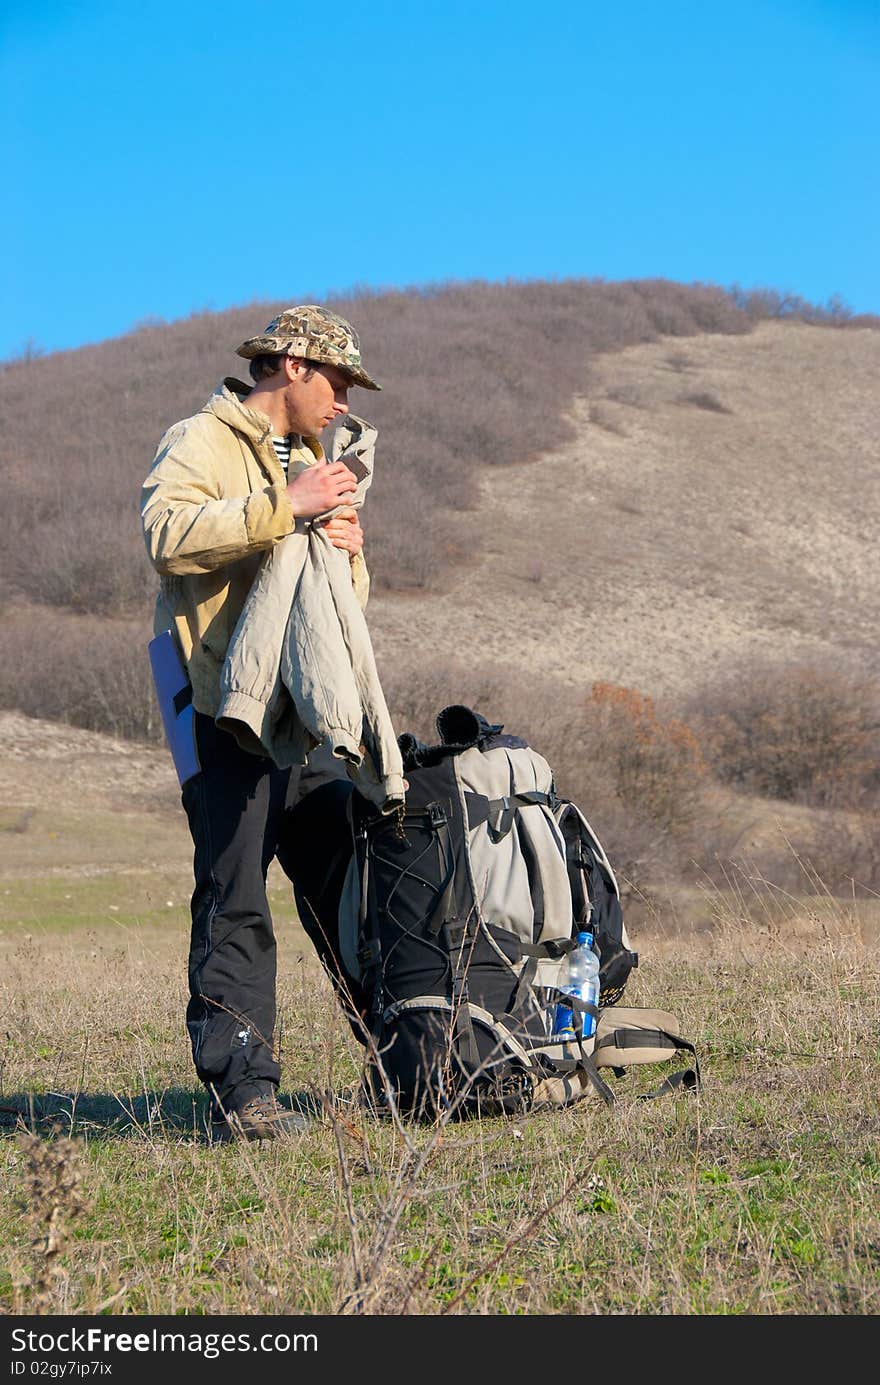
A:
758	1196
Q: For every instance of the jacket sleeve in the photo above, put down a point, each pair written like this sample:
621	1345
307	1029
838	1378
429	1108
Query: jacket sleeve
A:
190	527
360	579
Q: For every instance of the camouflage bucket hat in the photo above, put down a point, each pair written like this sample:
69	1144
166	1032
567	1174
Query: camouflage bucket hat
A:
316	334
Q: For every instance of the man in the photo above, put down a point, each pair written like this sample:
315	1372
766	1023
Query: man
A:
217	498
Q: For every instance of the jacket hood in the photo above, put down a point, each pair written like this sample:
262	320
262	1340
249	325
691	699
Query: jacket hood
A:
229	404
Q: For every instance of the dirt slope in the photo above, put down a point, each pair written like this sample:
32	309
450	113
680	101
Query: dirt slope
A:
76	802
721	499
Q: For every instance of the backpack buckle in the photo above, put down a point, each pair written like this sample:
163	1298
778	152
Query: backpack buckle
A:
454	933
501	812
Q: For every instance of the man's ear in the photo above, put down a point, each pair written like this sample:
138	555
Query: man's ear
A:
292	365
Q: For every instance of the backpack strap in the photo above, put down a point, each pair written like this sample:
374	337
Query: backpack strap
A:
462	1023
648	1037
586	1064
653	1038
554	948
574	1002
498	813
370	952
524	985
686	1078
442	910
455	935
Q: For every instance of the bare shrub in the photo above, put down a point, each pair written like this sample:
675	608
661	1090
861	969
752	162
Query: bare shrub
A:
848	859
656	762
630	395
638	776
704	399
603	417
650	766
53	1199
762	303
81	670
30	350
91	567
806	732
642	776
416	695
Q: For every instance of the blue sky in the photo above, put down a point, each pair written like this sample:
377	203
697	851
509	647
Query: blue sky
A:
163	159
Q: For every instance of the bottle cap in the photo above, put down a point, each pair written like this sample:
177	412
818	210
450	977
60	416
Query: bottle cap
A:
585	938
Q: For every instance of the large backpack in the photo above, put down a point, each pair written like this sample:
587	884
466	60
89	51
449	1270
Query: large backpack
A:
454	924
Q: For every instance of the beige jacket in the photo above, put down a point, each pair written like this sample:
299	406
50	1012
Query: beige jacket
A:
214	502
300	669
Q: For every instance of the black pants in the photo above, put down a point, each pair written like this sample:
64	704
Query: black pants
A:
242	811
314	851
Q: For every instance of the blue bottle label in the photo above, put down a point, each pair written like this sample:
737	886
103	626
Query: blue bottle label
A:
563	1022
566	1025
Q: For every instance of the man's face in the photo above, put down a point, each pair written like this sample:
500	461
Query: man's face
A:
316	401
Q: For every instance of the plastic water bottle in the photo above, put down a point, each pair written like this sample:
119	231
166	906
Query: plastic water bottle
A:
581	981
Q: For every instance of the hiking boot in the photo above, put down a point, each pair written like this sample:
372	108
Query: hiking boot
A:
259	1118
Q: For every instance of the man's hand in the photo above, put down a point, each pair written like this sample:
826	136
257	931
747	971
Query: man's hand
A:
344	531
320	487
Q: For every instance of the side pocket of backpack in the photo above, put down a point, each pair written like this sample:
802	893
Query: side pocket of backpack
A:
437	1055
596	901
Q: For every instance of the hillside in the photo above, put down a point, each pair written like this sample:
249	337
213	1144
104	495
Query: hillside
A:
638	482
719	499
644	484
